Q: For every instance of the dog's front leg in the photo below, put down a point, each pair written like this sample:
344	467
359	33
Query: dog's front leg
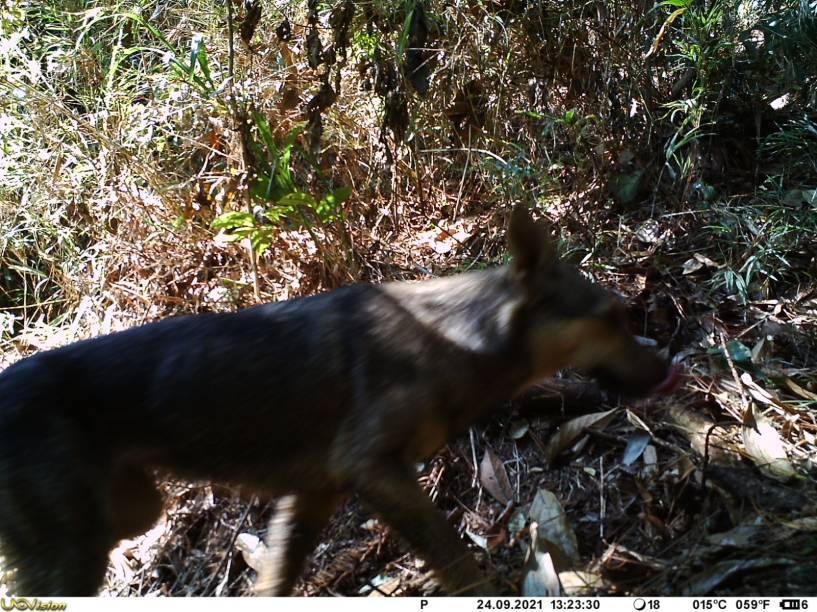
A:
393	493
293	533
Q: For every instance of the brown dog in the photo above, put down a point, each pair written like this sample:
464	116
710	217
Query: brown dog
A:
308	399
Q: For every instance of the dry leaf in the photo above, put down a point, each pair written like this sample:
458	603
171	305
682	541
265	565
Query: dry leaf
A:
710	578
540	577
698	429
691	265
581	584
490	542
638	422
387	588
759	393
518	428
571	430
553	547
705	260
120	565
554	527
494	477
252	549
649	232
517	523
806	523
798	390
478	539
765	446
745	535
442	247
650	457
636	444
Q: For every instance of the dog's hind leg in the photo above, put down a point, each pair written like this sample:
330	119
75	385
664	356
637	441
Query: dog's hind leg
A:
392	492
293	534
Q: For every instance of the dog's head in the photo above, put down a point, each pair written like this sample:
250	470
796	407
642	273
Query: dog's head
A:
569	321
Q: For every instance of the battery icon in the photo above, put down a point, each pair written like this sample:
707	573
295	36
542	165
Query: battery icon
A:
790	604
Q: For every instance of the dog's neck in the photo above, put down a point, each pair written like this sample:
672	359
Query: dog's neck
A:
473	311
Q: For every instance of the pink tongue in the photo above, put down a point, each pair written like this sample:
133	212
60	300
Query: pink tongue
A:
671	382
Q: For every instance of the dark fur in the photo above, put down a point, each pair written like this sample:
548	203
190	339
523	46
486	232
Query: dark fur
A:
308	399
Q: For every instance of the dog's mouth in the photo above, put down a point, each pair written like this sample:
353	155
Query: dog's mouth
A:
670	383
643	383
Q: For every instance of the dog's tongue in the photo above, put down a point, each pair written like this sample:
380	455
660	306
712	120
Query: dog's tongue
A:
671	382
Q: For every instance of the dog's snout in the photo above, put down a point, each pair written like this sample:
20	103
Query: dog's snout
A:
637	372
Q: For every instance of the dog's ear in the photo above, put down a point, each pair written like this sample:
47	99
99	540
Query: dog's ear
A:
531	245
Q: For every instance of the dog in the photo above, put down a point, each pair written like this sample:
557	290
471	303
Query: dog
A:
308	400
